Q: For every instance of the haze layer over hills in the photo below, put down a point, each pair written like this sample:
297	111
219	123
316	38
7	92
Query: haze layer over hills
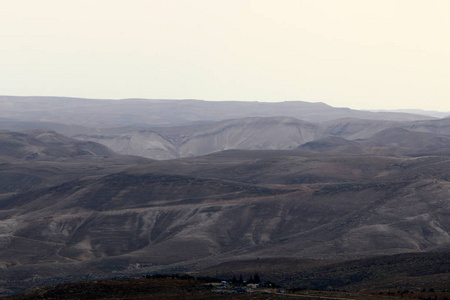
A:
303	184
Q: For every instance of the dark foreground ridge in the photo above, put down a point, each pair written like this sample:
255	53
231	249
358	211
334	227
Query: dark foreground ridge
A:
408	271
189	287
423	276
172	287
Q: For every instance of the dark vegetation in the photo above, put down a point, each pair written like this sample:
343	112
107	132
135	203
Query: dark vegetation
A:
183	286
151	287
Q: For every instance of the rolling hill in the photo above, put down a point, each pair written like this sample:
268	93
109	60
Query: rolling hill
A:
191	213
325	189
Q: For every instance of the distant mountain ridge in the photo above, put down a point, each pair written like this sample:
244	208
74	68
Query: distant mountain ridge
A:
146	112
431	113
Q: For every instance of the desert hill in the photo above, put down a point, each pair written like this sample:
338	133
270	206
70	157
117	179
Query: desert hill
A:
277	133
129	214
42	144
411	143
39	158
329	187
274	133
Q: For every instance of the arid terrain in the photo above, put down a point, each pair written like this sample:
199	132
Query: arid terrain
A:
343	199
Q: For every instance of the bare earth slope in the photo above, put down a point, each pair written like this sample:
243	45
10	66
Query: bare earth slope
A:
274	133
277	133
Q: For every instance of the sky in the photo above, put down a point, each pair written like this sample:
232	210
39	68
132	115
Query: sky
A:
362	54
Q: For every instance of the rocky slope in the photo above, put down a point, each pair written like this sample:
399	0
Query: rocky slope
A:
47	145
278	133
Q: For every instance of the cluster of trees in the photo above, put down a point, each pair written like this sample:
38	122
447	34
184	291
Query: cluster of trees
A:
256	279
251	279
183	276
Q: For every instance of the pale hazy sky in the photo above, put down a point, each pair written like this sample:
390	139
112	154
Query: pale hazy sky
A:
354	53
